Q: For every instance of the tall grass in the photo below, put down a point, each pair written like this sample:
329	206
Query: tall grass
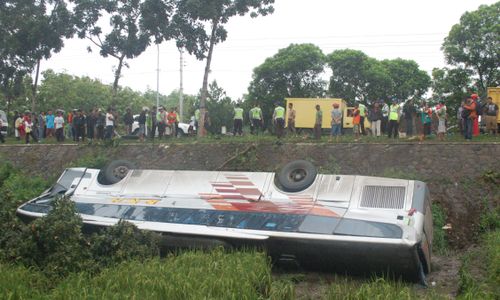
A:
440	243
190	275
479	275
17	282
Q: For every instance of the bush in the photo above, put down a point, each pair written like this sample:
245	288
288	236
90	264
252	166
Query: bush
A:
122	242
61	247
18	282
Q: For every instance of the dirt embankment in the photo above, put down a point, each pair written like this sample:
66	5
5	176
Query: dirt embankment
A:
456	173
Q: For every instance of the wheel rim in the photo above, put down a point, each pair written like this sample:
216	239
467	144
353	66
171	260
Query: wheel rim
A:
298	175
120	172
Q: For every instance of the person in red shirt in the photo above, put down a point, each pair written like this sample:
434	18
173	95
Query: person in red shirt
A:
356	120
469	116
475	122
171	119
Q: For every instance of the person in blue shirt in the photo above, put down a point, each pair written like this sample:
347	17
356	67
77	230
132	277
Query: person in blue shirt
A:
49	119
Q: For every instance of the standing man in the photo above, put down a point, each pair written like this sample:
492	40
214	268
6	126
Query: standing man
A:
128	120
460	119
318	122
491	116
28	127
79	124
238	120
255	116
110	124
279	119
469	115
291	118
91	123
394	114
385	117
41	125
336	123
142	123
362	115
153	122
161	120
375	116
59	126
356	120
171	119
100	123
441	114
409	112
50	124
475	121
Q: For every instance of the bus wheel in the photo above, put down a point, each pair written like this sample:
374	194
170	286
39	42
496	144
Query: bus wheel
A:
296	176
115	171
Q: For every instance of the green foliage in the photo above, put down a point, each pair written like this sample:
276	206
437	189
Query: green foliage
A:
408	81
18	282
295	72
221	109
92	160
61	245
123	242
191	275
480	271
452	86
473	44
440	243
358	76
125	39
378	288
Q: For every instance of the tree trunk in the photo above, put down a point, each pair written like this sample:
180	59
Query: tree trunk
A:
118	74
34	87
204	89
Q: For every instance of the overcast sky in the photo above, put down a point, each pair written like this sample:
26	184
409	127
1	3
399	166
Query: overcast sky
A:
384	29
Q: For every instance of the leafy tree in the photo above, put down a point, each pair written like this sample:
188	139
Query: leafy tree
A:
408	81
452	86
64	91
294	71
356	76
216	13
474	45
29	32
127	37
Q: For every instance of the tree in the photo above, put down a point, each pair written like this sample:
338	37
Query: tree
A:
294	71
216	13
452	86
127	37
221	108
408	81
356	76
29	32
474	45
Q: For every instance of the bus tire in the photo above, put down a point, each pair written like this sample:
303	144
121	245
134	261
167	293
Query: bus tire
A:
296	176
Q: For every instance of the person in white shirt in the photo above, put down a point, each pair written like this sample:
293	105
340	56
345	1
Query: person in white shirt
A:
110	124
59	126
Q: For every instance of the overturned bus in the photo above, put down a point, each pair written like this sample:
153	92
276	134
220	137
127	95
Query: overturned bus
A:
341	222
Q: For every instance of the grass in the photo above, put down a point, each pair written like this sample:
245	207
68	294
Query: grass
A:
189	275
440	244
479	275
266	137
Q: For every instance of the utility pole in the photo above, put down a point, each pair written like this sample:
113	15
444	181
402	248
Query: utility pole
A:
181	91
158	78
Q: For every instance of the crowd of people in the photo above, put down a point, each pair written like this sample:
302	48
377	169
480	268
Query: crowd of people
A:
79	125
394	120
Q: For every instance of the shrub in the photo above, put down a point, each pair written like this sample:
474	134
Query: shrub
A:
121	242
61	247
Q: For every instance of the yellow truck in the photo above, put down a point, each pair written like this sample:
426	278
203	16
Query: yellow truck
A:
306	112
494	93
